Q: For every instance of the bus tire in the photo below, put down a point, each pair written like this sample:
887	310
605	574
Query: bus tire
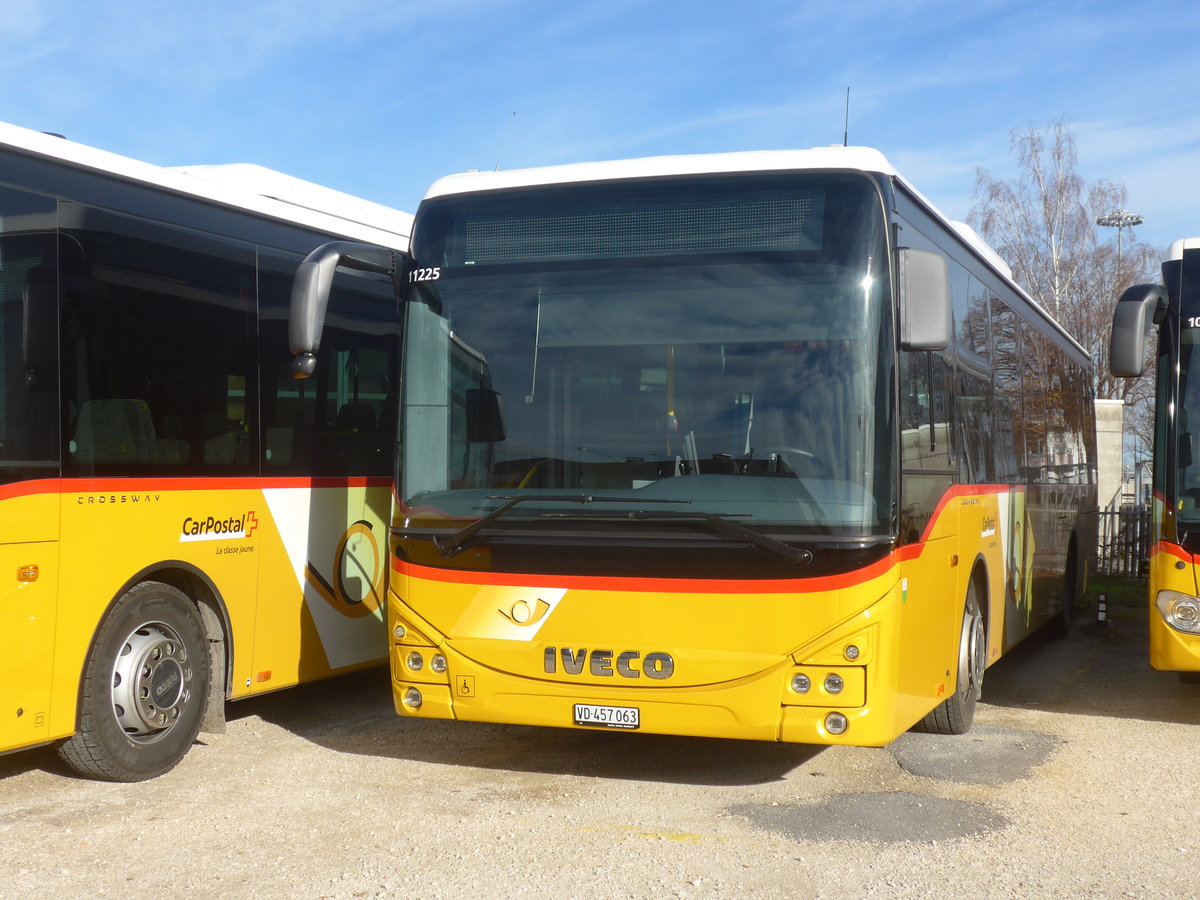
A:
955	714
1059	625
145	687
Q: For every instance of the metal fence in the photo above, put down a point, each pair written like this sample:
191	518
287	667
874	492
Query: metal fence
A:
1124	542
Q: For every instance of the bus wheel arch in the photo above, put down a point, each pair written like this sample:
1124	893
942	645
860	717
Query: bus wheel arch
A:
955	714
215	615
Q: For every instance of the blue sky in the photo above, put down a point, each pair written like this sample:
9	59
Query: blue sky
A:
380	98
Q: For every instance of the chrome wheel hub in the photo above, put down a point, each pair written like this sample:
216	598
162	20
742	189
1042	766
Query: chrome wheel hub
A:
151	682
972	655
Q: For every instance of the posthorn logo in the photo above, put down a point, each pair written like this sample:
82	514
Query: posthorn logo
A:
211	528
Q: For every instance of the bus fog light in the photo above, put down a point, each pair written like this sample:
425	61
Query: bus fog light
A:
413	698
851	652
801	684
834	684
437	663
1180	611
415	661
399	631
836	723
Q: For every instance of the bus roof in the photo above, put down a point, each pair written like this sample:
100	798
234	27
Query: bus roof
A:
245	187
1177	247
864	159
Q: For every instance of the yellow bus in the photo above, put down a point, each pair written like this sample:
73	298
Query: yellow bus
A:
181	521
755	445
1173	309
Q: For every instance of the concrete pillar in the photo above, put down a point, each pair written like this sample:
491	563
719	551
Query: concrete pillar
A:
1110	439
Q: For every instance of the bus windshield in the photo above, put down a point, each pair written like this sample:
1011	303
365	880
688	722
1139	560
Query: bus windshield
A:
714	346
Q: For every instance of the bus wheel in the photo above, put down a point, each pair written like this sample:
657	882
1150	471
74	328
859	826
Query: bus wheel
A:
955	714
1060	625
144	688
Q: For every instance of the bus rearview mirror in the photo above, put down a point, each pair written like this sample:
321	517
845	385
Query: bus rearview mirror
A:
310	293
1139	308
924	299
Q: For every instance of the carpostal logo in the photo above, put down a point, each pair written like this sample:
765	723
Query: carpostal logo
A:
210	528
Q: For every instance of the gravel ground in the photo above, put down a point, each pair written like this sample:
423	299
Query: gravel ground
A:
1077	781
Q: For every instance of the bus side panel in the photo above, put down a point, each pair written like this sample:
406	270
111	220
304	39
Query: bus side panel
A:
973	524
28	610
270	563
930	615
323	582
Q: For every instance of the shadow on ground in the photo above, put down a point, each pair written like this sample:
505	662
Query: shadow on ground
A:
354	714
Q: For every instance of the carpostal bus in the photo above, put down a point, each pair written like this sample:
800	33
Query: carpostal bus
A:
181	522
750	446
1173	309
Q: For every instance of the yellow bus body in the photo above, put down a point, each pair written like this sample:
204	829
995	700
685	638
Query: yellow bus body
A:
736	645
296	594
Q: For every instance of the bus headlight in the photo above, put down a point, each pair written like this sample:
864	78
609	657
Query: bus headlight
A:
801	683
836	723
1180	611
437	663
413	698
415	661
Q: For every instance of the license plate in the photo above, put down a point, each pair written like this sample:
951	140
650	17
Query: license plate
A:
607	716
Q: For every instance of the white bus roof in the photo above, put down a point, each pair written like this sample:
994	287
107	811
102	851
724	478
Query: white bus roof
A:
1177	247
241	186
865	159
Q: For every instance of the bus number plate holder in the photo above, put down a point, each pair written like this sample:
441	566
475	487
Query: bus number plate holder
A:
607	716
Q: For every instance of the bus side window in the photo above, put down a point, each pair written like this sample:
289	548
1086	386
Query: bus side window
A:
157	336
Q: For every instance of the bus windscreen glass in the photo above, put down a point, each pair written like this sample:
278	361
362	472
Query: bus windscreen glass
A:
717	346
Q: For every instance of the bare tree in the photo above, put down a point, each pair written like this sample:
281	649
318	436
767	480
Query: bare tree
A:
1043	223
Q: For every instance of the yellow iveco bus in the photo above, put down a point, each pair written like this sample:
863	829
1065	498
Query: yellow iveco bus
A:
754	445
181	521
1174	307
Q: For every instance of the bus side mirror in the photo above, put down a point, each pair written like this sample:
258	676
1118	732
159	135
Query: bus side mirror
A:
924	299
485	420
1140	307
310	293
39	328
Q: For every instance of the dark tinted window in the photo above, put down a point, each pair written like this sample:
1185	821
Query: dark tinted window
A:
28	342
158	337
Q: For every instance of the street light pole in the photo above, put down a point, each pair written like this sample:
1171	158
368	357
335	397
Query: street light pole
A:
1119	219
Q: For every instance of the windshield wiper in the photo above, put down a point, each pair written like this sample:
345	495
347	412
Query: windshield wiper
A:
457	541
797	556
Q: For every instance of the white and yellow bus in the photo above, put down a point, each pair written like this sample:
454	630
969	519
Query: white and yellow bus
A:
181	521
755	445
1173	310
